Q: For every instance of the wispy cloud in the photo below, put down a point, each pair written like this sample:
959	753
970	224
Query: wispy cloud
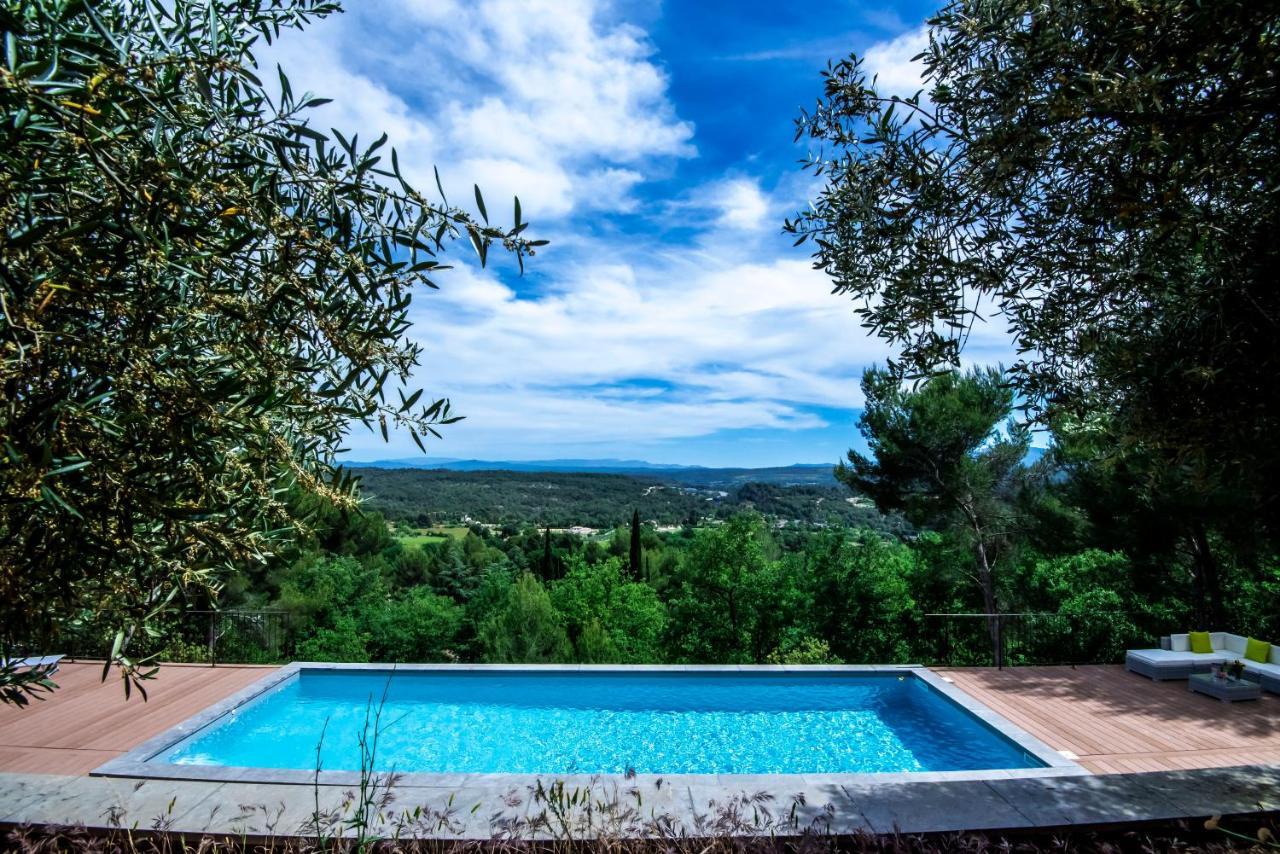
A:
811	51
734	202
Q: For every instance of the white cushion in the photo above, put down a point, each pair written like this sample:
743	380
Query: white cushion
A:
1233	643
1256	667
1179	643
1275	653
1169	656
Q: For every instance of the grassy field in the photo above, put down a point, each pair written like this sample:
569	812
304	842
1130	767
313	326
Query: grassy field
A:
417	541
419	537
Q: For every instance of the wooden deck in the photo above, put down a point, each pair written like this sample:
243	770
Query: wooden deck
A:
1118	722
87	722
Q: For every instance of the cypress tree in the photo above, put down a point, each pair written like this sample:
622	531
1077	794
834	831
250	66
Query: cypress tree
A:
635	544
547	557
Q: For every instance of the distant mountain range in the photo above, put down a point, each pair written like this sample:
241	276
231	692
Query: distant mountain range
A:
566	465
800	473
809	474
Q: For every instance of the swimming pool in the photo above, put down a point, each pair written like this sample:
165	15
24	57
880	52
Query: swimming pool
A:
531	721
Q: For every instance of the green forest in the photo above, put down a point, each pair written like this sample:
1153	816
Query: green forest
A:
568	499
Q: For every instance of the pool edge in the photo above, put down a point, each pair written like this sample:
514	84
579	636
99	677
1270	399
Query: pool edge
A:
135	764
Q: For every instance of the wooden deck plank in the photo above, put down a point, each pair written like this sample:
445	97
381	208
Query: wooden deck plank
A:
1099	730
61	724
87	722
1118	722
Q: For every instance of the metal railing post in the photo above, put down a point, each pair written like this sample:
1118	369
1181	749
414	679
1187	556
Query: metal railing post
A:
999	650
1077	645
948	641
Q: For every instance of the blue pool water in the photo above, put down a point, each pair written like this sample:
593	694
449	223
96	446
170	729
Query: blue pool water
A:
585	723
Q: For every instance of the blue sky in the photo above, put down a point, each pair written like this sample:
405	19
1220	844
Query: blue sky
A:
652	144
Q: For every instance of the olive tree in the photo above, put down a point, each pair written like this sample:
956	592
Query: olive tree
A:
202	293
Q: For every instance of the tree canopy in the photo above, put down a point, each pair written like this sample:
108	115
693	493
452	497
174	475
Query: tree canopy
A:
201	292
1102	178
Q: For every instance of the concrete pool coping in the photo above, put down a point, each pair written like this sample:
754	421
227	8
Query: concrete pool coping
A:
136	763
487	811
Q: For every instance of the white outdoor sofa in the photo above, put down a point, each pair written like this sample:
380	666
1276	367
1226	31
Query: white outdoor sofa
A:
1176	660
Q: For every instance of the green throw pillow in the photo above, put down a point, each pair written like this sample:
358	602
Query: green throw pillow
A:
1256	650
1200	641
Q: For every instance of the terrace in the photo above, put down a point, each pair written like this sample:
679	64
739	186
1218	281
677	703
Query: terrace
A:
1113	723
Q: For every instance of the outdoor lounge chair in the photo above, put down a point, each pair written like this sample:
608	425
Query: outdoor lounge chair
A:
1159	664
1176	660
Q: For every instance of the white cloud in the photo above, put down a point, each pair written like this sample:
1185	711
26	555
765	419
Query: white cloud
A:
892	65
546	100
734	203
742	205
